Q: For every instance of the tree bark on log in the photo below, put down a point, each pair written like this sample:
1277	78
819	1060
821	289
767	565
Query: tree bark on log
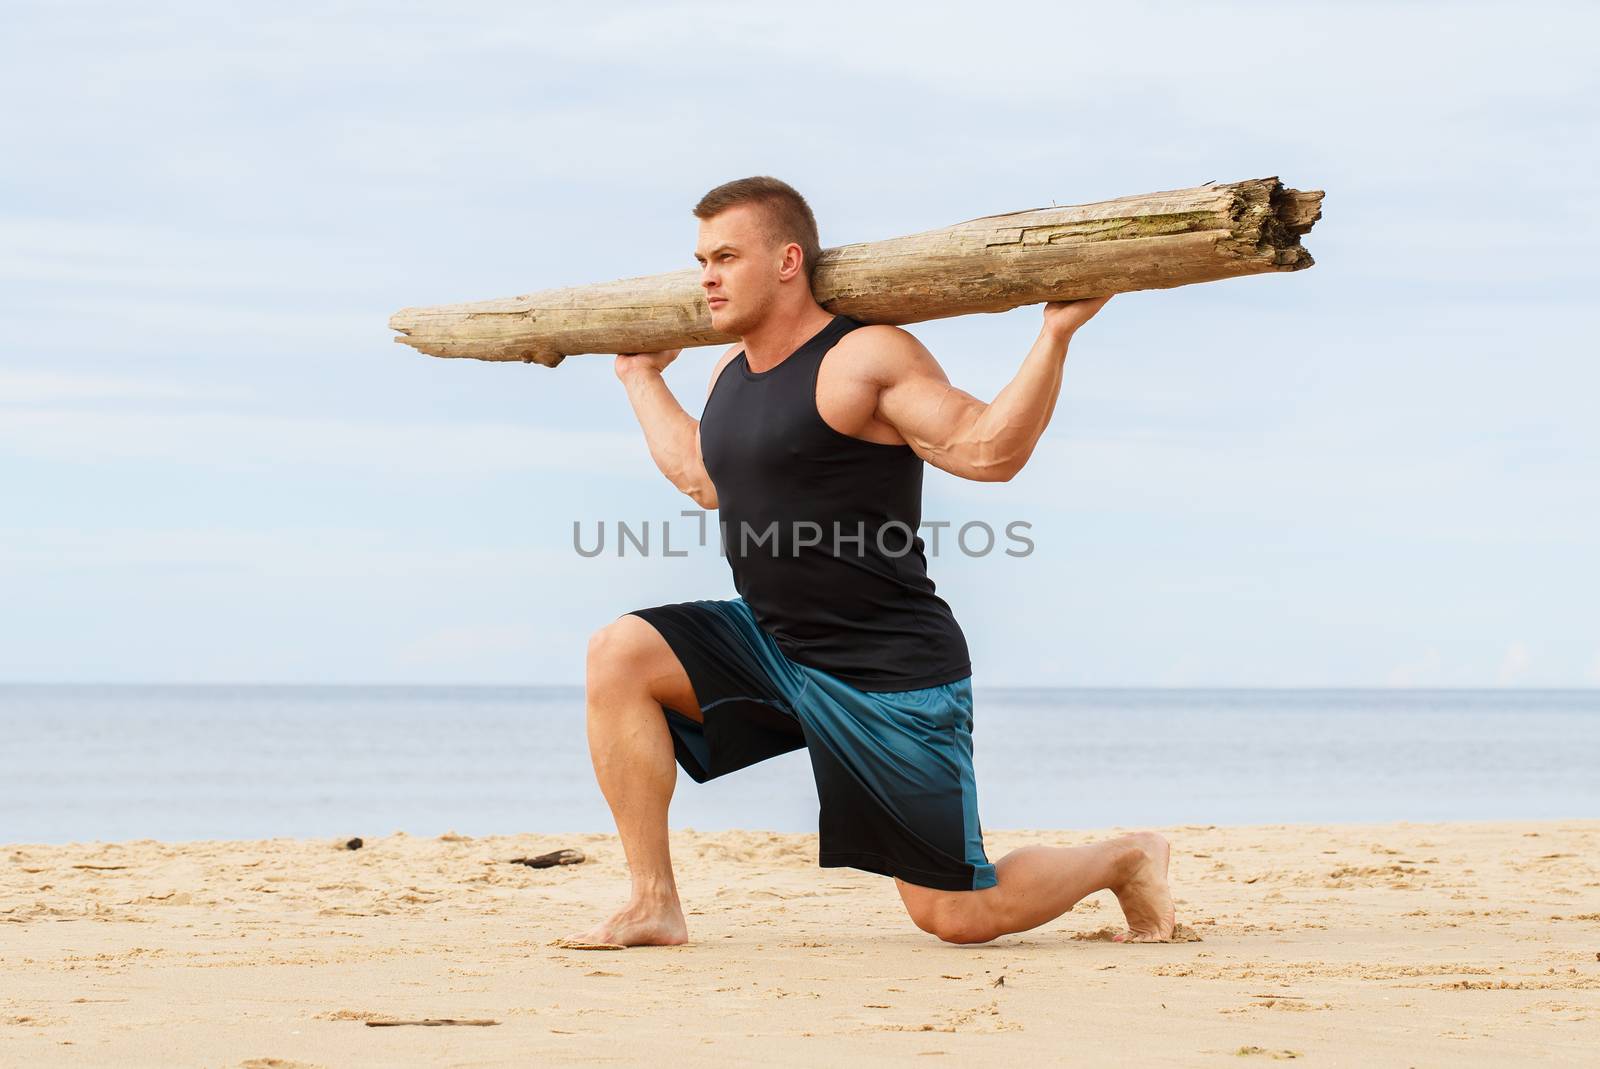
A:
992	264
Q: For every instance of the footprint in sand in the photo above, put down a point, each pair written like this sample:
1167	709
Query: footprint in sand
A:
1182	933
579	944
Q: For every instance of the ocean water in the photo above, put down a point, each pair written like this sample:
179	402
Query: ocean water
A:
204	762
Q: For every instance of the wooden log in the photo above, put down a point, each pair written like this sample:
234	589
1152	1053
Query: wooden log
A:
992	264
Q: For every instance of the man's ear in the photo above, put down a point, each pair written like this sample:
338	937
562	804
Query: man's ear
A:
793	260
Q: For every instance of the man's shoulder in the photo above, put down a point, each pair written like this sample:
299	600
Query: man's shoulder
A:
883	352
879	335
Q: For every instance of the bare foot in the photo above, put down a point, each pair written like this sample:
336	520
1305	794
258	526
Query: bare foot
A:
639	924
1144	896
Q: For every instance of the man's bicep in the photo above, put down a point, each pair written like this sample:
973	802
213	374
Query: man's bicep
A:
932	415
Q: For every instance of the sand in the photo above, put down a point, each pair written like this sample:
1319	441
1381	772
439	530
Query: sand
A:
1402	944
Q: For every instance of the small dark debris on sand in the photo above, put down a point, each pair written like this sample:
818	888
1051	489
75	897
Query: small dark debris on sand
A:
552	859
354	844
433	1022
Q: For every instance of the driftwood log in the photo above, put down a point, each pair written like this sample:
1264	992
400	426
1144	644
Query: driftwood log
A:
999	262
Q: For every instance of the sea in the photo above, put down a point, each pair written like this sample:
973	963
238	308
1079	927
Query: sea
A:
179	763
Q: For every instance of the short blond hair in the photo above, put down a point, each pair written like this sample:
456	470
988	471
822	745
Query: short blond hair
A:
788	215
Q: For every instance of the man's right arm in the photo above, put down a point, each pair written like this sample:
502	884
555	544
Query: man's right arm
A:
671	433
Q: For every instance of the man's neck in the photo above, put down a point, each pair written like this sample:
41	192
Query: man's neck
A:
778	336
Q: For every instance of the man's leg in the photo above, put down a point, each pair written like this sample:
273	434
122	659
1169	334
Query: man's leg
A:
631	673
1037	884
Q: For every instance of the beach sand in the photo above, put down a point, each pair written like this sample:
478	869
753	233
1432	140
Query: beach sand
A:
1400	944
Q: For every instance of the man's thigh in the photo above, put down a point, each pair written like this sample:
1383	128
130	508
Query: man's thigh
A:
736	706
649	658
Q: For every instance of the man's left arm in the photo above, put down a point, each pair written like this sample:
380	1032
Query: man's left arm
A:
956	432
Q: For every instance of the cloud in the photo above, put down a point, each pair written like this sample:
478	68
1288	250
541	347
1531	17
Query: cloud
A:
1514	664
44	387
1424	671
282	444
64	254
477	650
330	553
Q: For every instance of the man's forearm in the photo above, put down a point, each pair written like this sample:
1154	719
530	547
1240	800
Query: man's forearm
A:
1013	422
668	429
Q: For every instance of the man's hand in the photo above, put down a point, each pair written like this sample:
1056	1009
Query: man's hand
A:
631	363
1063	318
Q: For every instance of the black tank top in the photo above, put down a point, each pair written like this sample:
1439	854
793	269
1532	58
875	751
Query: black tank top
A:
820	529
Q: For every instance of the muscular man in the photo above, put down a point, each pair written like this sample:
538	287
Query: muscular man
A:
811	445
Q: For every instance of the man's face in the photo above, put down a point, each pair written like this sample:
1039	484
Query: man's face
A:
739	267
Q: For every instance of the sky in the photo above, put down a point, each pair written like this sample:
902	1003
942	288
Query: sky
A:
217	466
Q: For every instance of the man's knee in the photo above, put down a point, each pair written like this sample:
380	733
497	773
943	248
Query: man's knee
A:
619	650
629	656
953	916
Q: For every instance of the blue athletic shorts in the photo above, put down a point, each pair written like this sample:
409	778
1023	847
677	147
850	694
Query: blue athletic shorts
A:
893	768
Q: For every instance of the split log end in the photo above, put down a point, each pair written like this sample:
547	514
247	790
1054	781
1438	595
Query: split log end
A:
1297	210
1293	213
